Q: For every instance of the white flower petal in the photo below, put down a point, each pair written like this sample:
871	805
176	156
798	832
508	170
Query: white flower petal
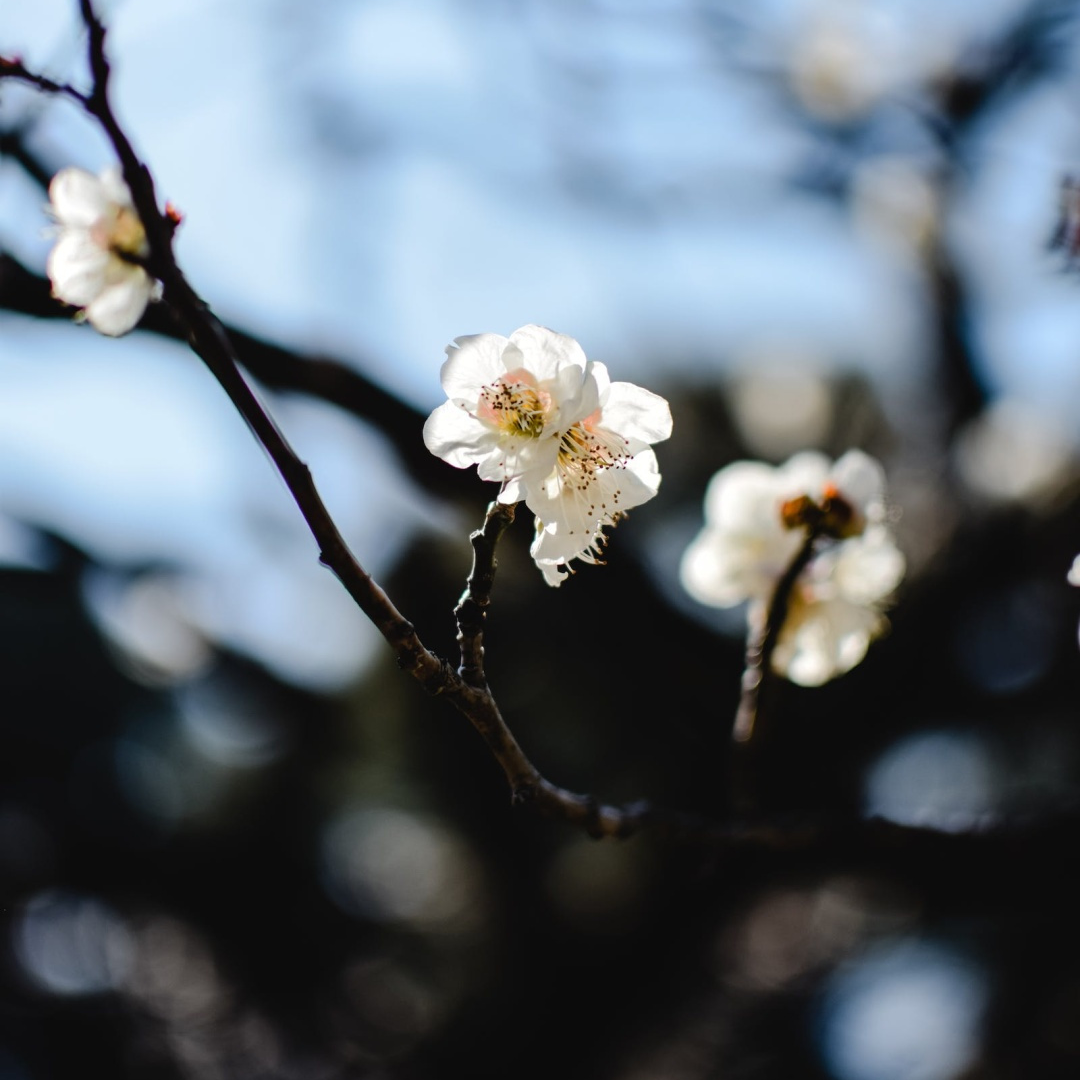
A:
575	395
553	550
114	188
821	641
1074	572
717	574
546	353
77	198
77	268
806	473
454	435
119	307
555	574
555	571
473	362
868	568
636	413
552	545
511	492
860	479
745	497
634	484
513	458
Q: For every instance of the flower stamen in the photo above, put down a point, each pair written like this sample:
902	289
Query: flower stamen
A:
515	405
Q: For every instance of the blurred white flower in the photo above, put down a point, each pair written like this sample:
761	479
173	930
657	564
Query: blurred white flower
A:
835	609
756	520
533	413
845	58
749	538
100	235
1074	572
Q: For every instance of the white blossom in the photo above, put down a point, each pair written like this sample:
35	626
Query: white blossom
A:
534	414
511	399
835	608
99	235
1074	572
755	525
604	467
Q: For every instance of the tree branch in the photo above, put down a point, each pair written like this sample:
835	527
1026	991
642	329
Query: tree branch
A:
762	643
471	611
13	68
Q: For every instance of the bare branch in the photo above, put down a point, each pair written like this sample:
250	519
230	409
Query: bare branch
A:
471	611
744	764
762	643
13	68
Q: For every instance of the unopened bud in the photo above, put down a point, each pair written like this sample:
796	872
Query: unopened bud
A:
800	513
838	515
834	516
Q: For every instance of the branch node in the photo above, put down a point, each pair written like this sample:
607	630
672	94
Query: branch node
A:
523	794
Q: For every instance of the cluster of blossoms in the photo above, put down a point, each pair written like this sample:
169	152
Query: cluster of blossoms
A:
756	521
96	263
532	413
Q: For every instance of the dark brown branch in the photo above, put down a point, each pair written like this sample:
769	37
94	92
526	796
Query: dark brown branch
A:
13	146
13	68
471	611
762	643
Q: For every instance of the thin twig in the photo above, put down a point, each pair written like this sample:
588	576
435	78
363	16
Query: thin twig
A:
762	643
13	68
471	611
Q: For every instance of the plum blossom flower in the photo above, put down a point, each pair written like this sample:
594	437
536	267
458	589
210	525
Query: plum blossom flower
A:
510	401
756	522
605	467
93	264
535	415
835	609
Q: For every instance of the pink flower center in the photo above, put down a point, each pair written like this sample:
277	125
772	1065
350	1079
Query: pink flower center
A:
515	404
